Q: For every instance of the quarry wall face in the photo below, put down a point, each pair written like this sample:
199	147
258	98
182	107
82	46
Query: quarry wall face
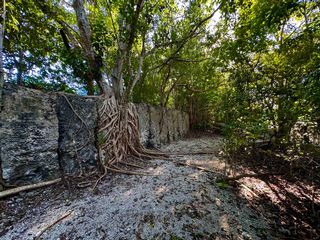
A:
45	135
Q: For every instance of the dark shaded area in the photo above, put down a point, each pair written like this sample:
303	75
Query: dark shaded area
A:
77	118
291	201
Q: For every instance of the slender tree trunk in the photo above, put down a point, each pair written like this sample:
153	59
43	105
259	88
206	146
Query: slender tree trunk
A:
20	68
2	27
85	38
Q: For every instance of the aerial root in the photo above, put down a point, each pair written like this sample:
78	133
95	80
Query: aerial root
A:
118	138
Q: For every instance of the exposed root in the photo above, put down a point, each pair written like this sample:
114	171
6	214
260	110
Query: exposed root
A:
129	172
118	137
74	111
132	165
99	179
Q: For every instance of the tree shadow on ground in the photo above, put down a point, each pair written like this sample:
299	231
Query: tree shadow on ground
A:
290	201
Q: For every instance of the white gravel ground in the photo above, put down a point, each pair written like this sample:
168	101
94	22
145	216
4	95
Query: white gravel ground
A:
180	202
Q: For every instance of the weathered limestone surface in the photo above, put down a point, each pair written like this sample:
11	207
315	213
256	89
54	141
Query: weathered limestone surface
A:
28	135
144	123
164	125
45	135
154	127
77	151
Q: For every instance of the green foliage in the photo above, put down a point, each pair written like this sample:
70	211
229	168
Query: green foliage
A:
273	64
222	184
254	66
56	86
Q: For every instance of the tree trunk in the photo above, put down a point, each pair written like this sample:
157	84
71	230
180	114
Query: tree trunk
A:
117	78
20	68
2	27
85	37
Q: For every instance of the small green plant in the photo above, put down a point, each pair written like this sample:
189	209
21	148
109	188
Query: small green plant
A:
101	138
173	237
223	184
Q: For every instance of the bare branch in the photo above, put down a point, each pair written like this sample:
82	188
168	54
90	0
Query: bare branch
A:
192	33
189	60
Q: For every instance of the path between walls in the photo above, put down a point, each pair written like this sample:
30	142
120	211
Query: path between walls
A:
180	202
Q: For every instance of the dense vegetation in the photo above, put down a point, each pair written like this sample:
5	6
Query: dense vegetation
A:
251	65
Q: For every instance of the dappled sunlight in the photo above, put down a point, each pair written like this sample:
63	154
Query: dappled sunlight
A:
159	170
291	204
161	190
160	119
128	193
195	175
218	202
177	201
211	163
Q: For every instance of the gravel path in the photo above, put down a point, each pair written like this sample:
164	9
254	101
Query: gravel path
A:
179	202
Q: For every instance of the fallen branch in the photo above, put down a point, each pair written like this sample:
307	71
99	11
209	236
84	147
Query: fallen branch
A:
53	223
196	166
250	190
14	191
190	153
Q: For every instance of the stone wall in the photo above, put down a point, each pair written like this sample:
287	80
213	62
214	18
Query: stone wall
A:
43	135
29	135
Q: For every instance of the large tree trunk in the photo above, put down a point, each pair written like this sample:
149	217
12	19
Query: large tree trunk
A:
117	134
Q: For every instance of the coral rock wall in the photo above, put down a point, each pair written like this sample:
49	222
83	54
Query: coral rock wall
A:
41	136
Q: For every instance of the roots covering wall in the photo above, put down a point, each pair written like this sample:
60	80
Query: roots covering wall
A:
44	135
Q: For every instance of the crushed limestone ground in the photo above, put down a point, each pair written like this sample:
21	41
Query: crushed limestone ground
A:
178	202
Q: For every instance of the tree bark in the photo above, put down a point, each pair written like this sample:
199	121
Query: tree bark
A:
85	38
20	68
2	27
124	55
